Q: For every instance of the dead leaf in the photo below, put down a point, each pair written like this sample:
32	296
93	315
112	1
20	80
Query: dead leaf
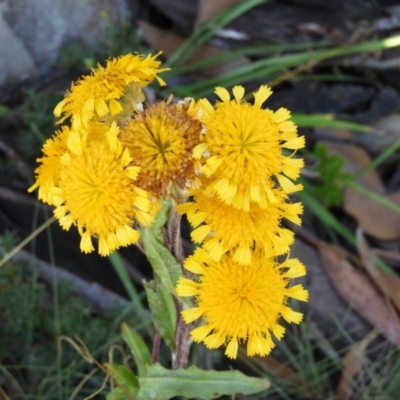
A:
358	291
388	284
376	219
208	8
169	42
326	307
352	363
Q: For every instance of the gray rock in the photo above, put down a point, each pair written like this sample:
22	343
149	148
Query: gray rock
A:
16	64
34	31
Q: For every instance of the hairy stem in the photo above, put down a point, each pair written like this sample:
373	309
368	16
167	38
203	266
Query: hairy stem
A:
156	347
182	342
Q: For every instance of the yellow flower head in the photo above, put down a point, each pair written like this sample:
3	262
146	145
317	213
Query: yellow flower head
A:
48	173
160	140
225	228
241	303
243	145
109	90
96	192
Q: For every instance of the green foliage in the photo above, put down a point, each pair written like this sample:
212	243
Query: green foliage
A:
165	266
164	313
28	331
327	120
315	367
33	120
124	377
162	383
331	177
120	38
138	347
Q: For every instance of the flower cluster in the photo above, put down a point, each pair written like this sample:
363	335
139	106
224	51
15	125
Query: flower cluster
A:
107	170
241	290
115	158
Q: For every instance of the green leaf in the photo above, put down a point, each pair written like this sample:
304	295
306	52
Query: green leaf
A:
161	383
329	189
4	110
323	214
165	265
120	269
125	378
164	312
117	394
205	31
161	219
138	347
327	120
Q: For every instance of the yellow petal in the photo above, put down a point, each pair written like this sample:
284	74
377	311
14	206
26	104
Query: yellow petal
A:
291	316
59	107
211	165
232	348
214	249
278	331
193	266
298	292
214	341
295	268
243	255
294	144
115	107
103	246
261	95
206	106
199	150
101	107
86	244
199	234
191	314
185	287
200	333
74	143
223	94
282	114
132	172
287	185
238	92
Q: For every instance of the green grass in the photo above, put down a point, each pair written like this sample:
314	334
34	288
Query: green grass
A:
34	317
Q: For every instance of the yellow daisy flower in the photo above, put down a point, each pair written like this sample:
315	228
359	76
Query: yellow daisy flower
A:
48	173
160	140
97	194
225	228
241	303
243	145
109	90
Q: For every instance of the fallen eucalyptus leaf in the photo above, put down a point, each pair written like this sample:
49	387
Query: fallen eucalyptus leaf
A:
359	292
